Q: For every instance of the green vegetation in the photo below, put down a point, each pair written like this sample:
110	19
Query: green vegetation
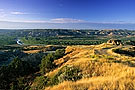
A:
67	73
46	66
7	56
47	61
40	83
64	36
126	52
9	74
20	84
7	40
34	59
63	41
15	75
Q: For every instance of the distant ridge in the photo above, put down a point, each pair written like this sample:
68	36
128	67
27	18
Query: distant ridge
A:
24	25
71	32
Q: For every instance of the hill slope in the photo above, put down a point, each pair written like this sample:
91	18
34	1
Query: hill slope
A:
100	67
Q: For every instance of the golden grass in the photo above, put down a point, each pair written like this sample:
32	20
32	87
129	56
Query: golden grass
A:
98	83
31	51
104	71
37	48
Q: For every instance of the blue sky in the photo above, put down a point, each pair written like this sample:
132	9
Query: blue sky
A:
95	14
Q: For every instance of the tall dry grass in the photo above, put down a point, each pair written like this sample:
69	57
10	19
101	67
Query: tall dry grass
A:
99	72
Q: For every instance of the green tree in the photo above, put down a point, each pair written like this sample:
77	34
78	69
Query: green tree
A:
10	73
59	53
40	83
47	63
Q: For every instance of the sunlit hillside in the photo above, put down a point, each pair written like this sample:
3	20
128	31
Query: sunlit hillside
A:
101	68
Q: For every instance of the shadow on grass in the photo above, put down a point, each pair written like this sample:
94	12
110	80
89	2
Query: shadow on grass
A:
129	63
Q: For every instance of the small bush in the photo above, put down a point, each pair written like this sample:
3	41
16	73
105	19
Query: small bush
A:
67	73
40	83
59	53
20	84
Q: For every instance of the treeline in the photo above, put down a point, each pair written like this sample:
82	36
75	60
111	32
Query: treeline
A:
7	56
7	53
63	41
63	36
7	40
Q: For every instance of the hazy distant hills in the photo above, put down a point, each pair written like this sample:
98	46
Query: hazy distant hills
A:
66	32
88	25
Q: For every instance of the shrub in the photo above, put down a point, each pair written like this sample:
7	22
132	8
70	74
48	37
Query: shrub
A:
59	53
34	59
19	67
40	83
20	84
10	73
67	73
47	63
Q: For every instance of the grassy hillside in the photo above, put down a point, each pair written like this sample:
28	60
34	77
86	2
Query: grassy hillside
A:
99	66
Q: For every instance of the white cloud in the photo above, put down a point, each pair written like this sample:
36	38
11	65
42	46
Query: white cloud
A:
18	13
56	20
66	20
